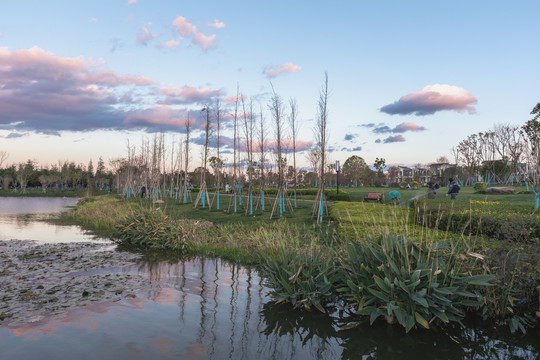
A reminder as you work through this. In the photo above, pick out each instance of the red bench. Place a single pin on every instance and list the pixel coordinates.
(374, 196)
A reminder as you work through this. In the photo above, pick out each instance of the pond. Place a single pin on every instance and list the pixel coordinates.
(197, 308)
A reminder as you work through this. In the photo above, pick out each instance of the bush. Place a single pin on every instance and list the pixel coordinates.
(331, 194)
(480, 187)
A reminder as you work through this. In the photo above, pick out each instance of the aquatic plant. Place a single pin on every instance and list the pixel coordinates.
(411, 282)
(304, 280)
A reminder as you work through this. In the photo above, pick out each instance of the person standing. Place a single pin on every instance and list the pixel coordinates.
(431, 191)
(453, 189)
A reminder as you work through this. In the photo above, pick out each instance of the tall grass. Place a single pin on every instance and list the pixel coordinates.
(101, 213)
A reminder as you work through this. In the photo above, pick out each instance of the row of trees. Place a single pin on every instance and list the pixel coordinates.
(64, 174)
(508, 153)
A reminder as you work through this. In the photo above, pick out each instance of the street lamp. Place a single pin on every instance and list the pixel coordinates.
(337, 176)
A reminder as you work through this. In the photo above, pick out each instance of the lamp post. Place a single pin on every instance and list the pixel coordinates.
(337, 176)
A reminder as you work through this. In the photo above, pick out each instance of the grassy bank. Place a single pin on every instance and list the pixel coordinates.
(318, 267)
(237, 237)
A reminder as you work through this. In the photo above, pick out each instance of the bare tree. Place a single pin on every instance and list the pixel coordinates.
(276, 109)
(186, 162)
(293, 125)
(203, 191)
(510, 146)
(262, 159)
(249, 124)
(218, 141)
(468, 154)
(3, 157)
(321, 139)
(442, 160)
(235, 146)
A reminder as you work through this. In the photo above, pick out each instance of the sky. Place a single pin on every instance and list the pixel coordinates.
(408, 80)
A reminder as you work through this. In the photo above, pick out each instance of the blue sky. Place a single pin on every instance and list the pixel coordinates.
(408, 80)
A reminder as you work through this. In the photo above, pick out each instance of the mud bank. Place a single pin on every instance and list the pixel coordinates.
(39, 280)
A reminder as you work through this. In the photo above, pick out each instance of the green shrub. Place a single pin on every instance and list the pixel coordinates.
(480, 187)
(408, 282)
(331, 194)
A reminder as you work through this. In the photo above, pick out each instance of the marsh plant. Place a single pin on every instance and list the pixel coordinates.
(411, 283)
(152, 228)
(304, 280)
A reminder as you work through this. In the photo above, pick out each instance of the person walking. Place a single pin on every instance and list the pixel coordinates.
(453, 189)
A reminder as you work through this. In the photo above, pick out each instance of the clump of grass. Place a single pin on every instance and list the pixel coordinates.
(357, 220)
(254, 243)
(153, 229)
(101, 213)
(304, 280)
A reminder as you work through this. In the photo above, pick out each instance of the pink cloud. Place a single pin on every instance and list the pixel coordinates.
(144, 36)
(408, 126)
(233, 98)
(204, 41)
(172, 43)
(286, 145)
(46, 93)
(285, 68)
(185, 28)
(131, 2)
(188, 95)
(217, 24)
(111, 79)
(162, 117)
(431, 99)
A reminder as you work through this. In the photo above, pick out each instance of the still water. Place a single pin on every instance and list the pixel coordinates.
(202, 308)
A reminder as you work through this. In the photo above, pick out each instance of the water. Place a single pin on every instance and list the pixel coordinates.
(204, 308)
(25, 219)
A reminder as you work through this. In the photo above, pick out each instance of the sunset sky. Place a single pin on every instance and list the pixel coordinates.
(408, 79)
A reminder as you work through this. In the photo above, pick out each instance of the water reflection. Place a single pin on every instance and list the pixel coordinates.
(208, 309)
(202, 308)
(26, 219)
(33, 205)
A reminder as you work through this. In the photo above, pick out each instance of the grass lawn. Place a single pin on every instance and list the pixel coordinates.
(519, 201)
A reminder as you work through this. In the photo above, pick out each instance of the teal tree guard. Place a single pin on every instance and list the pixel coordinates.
(536, 197)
